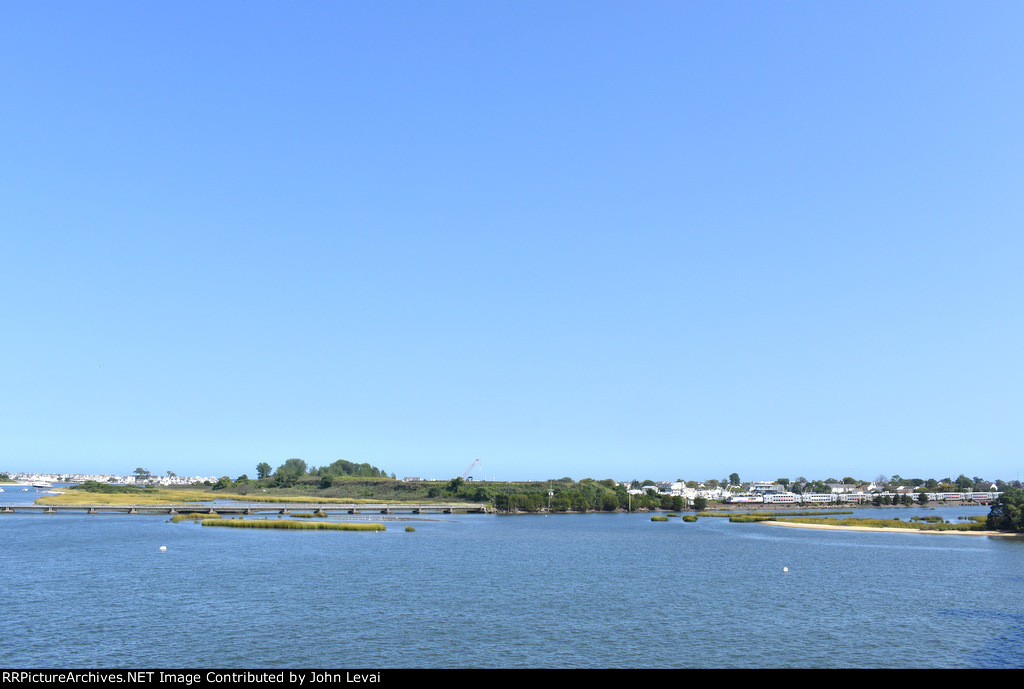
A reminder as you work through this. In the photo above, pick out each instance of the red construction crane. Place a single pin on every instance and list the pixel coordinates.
(466, 473)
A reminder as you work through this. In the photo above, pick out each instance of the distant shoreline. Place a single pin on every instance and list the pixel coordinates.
(802, 525)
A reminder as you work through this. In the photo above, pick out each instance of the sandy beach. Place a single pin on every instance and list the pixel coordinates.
(895, 530)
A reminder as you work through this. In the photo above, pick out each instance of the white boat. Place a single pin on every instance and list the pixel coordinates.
(42, 484)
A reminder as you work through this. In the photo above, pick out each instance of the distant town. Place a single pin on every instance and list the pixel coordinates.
(170, 479)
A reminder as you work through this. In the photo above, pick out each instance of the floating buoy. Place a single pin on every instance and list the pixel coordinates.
(785, 569)
(163, 547)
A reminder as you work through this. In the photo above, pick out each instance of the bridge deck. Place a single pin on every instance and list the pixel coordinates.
(249, 508)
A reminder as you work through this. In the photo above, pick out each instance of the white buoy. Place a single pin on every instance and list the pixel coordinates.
(163, 547)
(785, 569)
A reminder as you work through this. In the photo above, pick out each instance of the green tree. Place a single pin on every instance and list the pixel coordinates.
(222, 482)
(700, 503)
(734, 479)
(289, 472)
(922, 497)
(964, 484)
(1007, 513)
(263, 470)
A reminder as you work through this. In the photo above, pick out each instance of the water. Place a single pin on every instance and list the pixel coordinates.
(482, 591)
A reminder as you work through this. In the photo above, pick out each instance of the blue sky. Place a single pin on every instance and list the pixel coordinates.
(589, 239)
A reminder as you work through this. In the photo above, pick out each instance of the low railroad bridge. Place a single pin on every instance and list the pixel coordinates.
(250, 508)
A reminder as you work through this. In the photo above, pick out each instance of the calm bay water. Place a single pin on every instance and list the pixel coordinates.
(482, 591)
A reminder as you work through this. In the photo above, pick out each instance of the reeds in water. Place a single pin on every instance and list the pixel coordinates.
(192, 516)
(288, 524)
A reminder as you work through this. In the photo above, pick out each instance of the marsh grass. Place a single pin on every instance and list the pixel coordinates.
(288, 524)
(309, 515)
(801, 513)
(192, 516)
(159, 497)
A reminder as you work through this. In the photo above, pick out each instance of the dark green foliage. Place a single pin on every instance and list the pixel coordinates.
(289, 472)
(343, 467)
(96, 487)
(964, 484)
(586, 496)
(1007, 513)
(294, 472)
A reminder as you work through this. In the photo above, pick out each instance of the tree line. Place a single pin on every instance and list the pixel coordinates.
(294, 471)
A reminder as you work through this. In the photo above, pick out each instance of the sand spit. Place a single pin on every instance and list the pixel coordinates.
(892, 530)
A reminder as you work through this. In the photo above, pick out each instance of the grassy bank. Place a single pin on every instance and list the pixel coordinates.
(155, 497)
(762, 516)
(288, 524)
(884, 524)
(193, 516)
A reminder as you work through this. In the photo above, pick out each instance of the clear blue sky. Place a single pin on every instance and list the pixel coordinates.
(589, 239)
